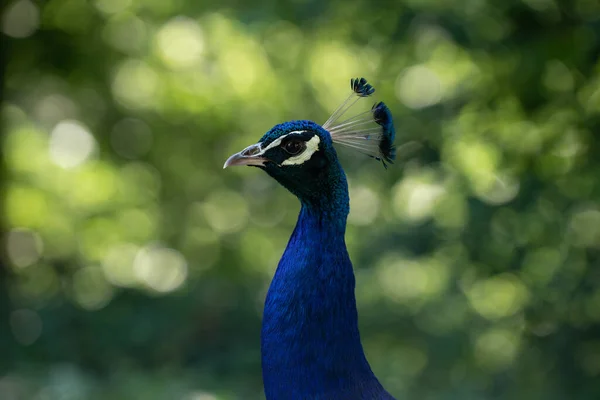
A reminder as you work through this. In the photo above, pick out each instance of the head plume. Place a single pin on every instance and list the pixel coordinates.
(371, 132)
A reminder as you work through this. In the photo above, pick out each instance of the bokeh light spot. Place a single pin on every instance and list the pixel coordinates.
(71, 144)
(241, 68)
(113, 6)
(477, 160)
(364, 205)
(499, 296)
(451, 211)
(26, 150)
(331, 59)
(90, 288)
(138, 225)
(180, 43)
(501, 190)
(58, 233)
(55, 107)
(21, 19)
(159, 268)
(25, 206)
(540, 265)
(226, 211)
(135, 84)
(93, 186)
(258, 247)
(496, 348)
(23, 247)
(126, 32)
(97, 236)
(418, 87)
(584, 228)
(198, 395)
(118, 265)
(409, 281)
(416, 196)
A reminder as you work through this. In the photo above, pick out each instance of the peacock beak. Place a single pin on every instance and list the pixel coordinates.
(251, 155)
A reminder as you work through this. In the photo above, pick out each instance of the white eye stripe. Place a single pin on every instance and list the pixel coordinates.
(277, 142)
(312, 146)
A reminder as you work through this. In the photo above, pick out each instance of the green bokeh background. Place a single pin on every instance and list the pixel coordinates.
(134, 267)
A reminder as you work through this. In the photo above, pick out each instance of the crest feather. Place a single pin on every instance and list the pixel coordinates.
(371, 132)
(361, 87)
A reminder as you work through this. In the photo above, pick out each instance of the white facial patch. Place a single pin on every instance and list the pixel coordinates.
(277, 142)
(311, 147)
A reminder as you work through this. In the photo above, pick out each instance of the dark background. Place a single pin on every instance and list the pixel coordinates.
(134, 267)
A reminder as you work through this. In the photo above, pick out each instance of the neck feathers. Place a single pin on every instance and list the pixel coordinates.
(310, 341)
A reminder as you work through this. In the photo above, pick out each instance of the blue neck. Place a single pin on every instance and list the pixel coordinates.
(310, 341)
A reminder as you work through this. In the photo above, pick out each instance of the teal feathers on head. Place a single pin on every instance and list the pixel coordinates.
(371, 132)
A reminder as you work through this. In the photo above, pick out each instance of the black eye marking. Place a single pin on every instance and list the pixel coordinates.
(294, 146)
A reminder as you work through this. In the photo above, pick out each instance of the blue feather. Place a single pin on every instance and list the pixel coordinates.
(383, 117)
(361, 87)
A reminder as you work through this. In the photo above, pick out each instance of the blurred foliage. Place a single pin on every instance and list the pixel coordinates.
(134, 267)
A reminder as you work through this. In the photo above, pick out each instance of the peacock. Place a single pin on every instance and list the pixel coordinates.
(310, 342)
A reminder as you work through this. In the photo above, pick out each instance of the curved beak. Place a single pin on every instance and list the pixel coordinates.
(251, 155)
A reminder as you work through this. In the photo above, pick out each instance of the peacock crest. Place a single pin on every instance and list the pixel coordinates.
(371, 132)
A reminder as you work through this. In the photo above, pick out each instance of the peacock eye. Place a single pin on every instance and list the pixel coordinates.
(294, 147)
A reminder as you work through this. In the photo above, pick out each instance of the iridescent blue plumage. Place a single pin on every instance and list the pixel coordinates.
(310, 342)
(383, 117)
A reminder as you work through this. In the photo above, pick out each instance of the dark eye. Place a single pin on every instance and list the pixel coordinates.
(294, 147)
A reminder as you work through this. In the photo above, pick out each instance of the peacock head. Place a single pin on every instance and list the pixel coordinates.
(300, 154)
